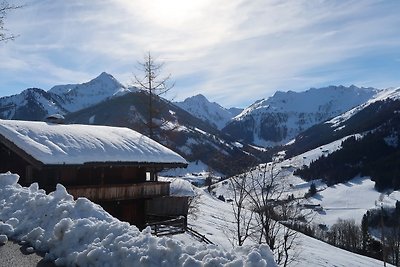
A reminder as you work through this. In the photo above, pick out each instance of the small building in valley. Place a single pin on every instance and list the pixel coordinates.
(112, 166)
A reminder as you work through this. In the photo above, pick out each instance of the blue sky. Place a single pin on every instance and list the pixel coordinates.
(232, 51)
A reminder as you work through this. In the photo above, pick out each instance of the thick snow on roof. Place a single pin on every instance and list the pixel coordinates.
(81, 233)
(78, 144)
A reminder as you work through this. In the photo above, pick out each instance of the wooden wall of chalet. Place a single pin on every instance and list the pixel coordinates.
(167, 206)
(132, 211)
(49, 176)
(9, 161)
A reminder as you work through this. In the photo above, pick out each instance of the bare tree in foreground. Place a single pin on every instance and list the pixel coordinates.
(243, 216)
(262, 189)
(154, 85)
(5, 7)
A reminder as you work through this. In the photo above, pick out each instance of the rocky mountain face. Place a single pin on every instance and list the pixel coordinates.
(210, 112)
(278, 119)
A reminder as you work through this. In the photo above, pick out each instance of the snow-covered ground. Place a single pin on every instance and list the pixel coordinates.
(346, 201)
(196, 173)
(215, 219)
(350, 200)
(81, 233)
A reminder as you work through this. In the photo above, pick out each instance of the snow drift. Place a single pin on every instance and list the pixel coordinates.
(80, 233)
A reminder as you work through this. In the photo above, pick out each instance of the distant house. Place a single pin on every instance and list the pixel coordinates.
(112, 166)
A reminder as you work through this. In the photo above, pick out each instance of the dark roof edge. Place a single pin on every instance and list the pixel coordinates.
(124, 163)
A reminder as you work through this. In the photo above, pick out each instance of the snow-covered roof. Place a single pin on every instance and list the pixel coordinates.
(78, 144)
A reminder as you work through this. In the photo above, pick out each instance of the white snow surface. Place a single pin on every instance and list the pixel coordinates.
(81, 233)
(179, 187)
(78, 144)
(196, 173)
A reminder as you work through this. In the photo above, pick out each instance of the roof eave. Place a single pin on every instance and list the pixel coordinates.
(20, 152)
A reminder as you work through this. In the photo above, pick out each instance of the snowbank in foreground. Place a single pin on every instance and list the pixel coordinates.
(81, 233)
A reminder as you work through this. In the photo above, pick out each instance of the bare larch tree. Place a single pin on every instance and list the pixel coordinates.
(154, 85)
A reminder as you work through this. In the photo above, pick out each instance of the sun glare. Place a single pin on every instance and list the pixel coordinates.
(171, 12)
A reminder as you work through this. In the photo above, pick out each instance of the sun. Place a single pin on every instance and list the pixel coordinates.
(171, 12)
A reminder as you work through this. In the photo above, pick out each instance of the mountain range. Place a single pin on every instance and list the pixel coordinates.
(280, 118)
(225, 139)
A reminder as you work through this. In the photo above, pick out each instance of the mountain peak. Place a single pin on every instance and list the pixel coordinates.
(105, 76)
(197, 98)
(211, 112)
(78, 96)
(106, 79)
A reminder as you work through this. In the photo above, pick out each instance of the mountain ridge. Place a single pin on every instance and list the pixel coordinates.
(278, 119)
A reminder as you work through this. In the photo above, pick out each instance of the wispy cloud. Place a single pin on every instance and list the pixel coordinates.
(234, 52)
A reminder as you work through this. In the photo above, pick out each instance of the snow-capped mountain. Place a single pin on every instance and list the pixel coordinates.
(36, 104)
(278, 119)
(78, 96)
(380, 114)
(211, 112)
(30, 104)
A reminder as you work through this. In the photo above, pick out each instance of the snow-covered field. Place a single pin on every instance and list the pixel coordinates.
(350, 200)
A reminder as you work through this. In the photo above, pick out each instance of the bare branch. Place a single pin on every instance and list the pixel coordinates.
(5, 7)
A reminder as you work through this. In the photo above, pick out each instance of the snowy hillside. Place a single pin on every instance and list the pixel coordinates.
(391, 93)
(280, 118)
(346, 201)
(211, 112)
(379, 116)
(79, 96)
(215, 220)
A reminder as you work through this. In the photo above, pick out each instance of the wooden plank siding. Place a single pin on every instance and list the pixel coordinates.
(120, 191)
(168, 206)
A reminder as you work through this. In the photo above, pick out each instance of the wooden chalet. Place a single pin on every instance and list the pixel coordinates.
(112, 166)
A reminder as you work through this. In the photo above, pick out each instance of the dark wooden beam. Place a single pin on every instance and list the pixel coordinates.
(20, 152)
